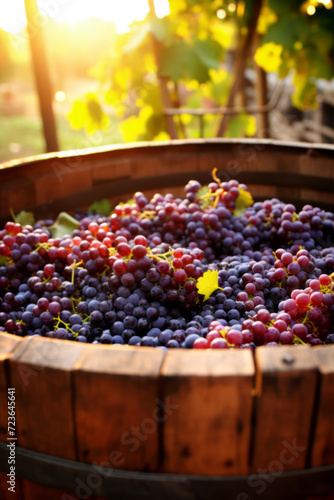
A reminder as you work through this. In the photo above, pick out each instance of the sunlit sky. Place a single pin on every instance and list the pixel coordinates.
(121, 12)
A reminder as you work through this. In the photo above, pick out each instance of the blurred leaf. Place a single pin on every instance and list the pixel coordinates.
(25, 218)
(204, 200)
(287, 30)
(243, 201)
(240, 125)
(88, 114)
(162, 136)
(130, 129)
(224, 33)
(4, 261)
(138, 34)
(159, 28)
(175, 59)
(268, 56)
(267, 17)
(209, 52)
(305, 95)
(177, 6)
(219, 86)
(102, 207)
(182, 60)
(63, 225)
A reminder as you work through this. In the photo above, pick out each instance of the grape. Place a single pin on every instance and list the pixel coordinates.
(302, 300)
(234, 337)
(201, 343)
(300, 330)
(189, 342)
(136, 276)
(219, 344)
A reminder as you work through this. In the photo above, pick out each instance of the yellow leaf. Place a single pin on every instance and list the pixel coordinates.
(244, 201)
(268, 56)
(208, 284)
(266, 18)
(162, 136)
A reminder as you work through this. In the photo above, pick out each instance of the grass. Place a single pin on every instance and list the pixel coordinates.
(22, 134)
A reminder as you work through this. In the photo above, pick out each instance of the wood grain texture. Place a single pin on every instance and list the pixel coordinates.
(34, 491)
(285, 387)
(323, 444)
(41, 372)
(116, 401)
(49, 183)
(8, 344)
(208, 411)
(40, 369)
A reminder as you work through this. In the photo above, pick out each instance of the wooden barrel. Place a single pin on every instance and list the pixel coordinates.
(47, 184)
(104, 421)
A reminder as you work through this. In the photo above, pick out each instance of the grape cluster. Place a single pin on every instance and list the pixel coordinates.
(132, 278)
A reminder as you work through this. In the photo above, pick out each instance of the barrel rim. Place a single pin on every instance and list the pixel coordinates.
(307, 146)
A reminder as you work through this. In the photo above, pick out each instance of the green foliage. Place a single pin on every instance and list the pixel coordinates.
(88, 114)
(64, 225)
(25, 218)
(187, 50)
(306, 46)
(102, 207)
(187, 46)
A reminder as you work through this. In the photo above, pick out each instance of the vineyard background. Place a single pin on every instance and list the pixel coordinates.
(207, 69)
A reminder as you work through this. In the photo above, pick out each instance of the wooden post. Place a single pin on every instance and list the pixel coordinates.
(261, 96)
(41, 72)
(263, 128)
(166, 101)
(241, 65)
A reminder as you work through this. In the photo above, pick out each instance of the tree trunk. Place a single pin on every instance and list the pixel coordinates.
(241, 64)
(41, 73)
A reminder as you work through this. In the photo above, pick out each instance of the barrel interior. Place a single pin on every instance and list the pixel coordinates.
(120, 422)
(296, 173)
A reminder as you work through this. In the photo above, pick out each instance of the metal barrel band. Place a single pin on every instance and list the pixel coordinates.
(88, 480)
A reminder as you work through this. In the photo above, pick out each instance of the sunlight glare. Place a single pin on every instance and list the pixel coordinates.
(311, 10)
(60, 96)
(12, 16)
(128, 11)
(67, 10)
(221, 13)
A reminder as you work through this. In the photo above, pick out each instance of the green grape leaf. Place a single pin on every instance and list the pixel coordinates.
(204, 200)
(88, 114)
(219, 86)
(240, 125)
(174, 59)
(305, 95)
(243, 201)
(102, 207)
(63, 225)
(182, 60)
(25, 218)
(4, 261)
(209, 52)
(159, 28)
